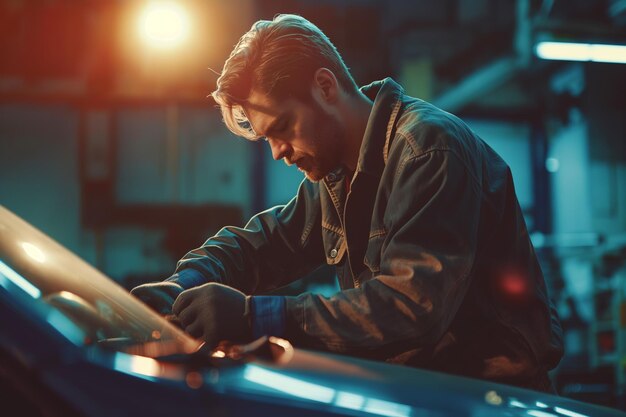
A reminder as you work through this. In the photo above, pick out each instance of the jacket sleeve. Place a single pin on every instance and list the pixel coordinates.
(276, 247)
(432, 220)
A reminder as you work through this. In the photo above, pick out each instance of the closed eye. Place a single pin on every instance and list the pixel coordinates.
(282, 126)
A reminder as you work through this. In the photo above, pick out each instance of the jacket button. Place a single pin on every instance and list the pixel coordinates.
(333, 253)
(332, 178)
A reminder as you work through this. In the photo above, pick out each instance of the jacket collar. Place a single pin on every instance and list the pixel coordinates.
(387, 97)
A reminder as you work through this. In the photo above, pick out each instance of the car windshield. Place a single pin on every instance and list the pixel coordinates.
(83, 304)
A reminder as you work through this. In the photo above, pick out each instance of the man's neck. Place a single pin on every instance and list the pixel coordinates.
(356, 113)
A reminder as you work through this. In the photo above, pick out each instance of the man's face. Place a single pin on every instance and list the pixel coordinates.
(306, 134)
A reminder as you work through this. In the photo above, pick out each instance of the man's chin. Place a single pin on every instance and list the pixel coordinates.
(313, 176)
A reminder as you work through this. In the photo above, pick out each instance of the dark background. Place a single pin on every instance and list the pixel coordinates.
(112, 147)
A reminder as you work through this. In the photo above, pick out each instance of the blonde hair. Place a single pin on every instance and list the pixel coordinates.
(278, 57)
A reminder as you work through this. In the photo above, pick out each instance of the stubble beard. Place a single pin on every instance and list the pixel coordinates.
(330, 133)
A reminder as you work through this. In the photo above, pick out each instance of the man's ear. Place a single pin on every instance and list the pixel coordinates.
(325, 82)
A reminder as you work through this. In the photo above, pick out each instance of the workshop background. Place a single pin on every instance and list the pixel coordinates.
(109, 143)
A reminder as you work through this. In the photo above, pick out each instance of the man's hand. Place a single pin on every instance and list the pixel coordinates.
(214, 312)
(159, 296)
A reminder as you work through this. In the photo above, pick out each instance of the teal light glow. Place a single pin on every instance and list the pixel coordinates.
(9, 274)
(552, 165)
(289, 385)
(315, 392)
(386, 408)
(66, 327)
(515, 403)
(348, 400)
(568, 413)
(571, 51)
(537, 413)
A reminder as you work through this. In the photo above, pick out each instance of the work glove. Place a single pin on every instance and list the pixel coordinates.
(214, 312)
(159, 296)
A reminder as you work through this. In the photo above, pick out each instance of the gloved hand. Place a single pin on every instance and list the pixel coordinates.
(159, 296)
(214, 312)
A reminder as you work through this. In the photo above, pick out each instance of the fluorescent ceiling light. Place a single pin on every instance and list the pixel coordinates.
(568, 51)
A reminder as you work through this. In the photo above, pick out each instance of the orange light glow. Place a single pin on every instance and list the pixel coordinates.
(194, 380)
(164, 24)
(218, 354)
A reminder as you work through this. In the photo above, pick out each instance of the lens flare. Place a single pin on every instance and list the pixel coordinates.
(164, 24)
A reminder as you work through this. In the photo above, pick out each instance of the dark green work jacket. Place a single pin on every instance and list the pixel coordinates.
(432, 253)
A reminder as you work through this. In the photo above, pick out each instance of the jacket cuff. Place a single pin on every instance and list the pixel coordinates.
(268, 315)
(188, 278)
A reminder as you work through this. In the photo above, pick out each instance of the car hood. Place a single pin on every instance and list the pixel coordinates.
(48, 281)
(350, 385)
(39, 276)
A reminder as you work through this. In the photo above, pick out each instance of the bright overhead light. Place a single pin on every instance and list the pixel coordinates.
(569, 51)
(164, 24)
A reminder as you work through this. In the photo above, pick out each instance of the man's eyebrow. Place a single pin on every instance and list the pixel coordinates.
(275, 123)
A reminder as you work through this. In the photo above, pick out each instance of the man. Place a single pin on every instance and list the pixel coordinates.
(418, 215)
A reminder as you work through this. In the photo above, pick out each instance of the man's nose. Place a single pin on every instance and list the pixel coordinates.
(279, 149)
